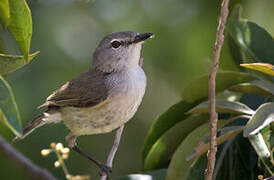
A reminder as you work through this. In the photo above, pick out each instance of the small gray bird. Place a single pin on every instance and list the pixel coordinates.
(105, 97)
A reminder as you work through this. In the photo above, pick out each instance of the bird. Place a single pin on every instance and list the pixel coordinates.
(102, 99)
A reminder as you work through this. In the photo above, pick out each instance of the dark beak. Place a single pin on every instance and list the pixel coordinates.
(142, 37)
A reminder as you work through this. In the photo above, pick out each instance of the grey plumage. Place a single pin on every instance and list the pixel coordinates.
(105, 97)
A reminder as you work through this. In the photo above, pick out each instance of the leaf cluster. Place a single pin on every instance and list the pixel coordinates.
(15, 15)
(179, 138)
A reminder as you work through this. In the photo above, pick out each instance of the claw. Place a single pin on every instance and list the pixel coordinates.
(106, 170)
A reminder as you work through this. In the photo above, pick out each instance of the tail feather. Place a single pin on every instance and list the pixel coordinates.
(36, 123)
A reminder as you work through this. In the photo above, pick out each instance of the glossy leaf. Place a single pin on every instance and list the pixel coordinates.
(4, 12)
(198, 88)
(221, 153)
(197, 169)
(10, 63)
(173, 115)
(236, 12)
(179, 167)
(262, 67)
(21, 25)
(223, 106)
(235, 51)
(222, 135)
(154, 175)
(252, 39)
(163, 149)
(263, 116)
(255, 87)
(9, 109)
(259, 145)
(199, 165)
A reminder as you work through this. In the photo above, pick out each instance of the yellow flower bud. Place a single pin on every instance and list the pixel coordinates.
(65, 156)
(68, 176)
(59, 147)
(45, 152)
(65, 150)
(52, 145)
(57, 164)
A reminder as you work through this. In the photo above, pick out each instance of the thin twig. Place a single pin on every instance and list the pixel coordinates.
(63, 165)
(212, 86)
(113, 150)
(35, 171)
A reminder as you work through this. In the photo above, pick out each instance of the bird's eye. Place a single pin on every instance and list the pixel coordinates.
(115, 44)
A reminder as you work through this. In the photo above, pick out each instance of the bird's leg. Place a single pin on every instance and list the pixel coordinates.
(71, 140)
(113, 149)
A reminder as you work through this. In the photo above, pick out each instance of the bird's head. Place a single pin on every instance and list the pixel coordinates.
(119, 51)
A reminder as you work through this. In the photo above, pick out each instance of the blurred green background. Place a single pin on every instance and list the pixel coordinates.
(67, 32)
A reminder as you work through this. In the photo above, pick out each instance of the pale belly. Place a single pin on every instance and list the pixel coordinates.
(120, 107)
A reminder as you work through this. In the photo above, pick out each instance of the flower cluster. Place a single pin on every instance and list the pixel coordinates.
(62, 154)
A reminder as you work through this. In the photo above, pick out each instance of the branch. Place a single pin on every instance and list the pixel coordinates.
(212, 85)
(35, 171)
(113, 150)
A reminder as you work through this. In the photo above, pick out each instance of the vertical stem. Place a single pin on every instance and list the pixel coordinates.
(60, 159)
(212, 86)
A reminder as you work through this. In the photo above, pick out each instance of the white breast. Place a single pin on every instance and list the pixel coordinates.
(126, 90)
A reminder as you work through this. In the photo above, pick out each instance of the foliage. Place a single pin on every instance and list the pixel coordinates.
(178, 143)
(9, 111)
(16, 15)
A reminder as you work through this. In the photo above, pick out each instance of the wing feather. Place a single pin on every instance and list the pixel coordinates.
(86, 90)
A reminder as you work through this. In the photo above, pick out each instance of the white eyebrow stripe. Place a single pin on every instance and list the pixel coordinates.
(115, 40)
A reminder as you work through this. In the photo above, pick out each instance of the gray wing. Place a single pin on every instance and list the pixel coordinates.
(86, 90)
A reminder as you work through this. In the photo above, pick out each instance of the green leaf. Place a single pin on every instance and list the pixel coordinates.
(271, 136)
(255, 87)
(263, 116)
(154, 175)
(173, 115)
(236, 12)
(163, 149)
(198, 88)
(8, 108)
(10, 63)
(21, 25)
(259, 145)
(221, 153)
(222, 135)
(4, 12)
(262, 67)
(179, 167)
(197, 169)
(252, 39)
(223, 106)
(235, 51)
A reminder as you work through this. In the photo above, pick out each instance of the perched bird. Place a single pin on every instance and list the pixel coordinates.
(105, 97)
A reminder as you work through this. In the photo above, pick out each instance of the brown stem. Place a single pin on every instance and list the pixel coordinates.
(35, 171)
(113, 150)
(212, 86)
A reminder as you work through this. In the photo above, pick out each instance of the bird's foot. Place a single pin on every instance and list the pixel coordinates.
(106, 170)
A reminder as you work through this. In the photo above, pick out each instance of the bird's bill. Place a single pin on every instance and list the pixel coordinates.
(142, 37)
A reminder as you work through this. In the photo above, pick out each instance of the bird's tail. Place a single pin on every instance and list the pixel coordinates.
(36, 123)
